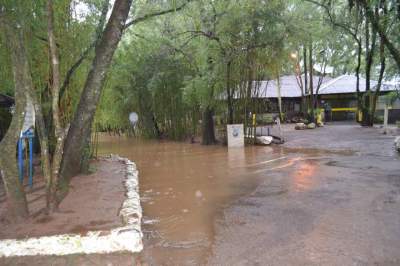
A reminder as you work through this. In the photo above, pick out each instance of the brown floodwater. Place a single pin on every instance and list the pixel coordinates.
(184, 188)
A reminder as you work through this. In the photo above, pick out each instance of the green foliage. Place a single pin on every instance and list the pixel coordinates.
(6, 80)
(378, 119)
(170, 68)
(392, 96)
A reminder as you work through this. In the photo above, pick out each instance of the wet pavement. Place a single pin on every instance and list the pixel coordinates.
(327, 208)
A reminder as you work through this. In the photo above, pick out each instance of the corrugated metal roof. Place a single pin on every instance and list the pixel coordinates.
(289, 87)
(348, 84)
(390, 86)
(345, 84)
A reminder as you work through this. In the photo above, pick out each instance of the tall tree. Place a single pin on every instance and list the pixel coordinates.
(370, 43)
(79, 134)
(373, 17)
(311, 89)
(13, 33)
(55, 90)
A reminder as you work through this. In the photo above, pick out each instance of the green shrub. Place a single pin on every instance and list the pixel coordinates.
(378, 119)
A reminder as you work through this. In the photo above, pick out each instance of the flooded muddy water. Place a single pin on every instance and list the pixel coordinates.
(185, 186)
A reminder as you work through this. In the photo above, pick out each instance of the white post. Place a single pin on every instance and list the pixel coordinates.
(385, 118)
(278, 121)
(279, 98)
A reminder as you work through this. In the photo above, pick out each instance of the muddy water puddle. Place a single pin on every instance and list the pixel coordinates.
(184, 187)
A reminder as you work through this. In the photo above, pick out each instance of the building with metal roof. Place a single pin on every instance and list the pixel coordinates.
(348, 84)
(338, 94)
(289, 86)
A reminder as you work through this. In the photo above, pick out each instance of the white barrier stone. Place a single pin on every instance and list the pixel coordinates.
(125, 238)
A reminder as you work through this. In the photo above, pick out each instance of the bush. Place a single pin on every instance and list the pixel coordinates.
(378, 119)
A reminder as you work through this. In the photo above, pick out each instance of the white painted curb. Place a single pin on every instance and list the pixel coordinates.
(126, 238)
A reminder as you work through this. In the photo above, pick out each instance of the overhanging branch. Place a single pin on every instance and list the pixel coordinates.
(155, 14)
(347, 28)
(86, 52)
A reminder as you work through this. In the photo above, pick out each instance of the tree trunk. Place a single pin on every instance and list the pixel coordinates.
(311, 90)
(369, 54)
(208, 127)
(83, 118)
(85, 54)
(305, 98)
(16, 199)
(44, 148)
(147, 119)
(395, 52)
(248, 94)
(299, 80)
(380, 79)
(320, 80)
(358, 94)
(229, 91)
(55, 90)
(157, 130)
(278, 82)
(382, 64)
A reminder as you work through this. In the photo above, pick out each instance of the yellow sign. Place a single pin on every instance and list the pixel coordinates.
(345, 109)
